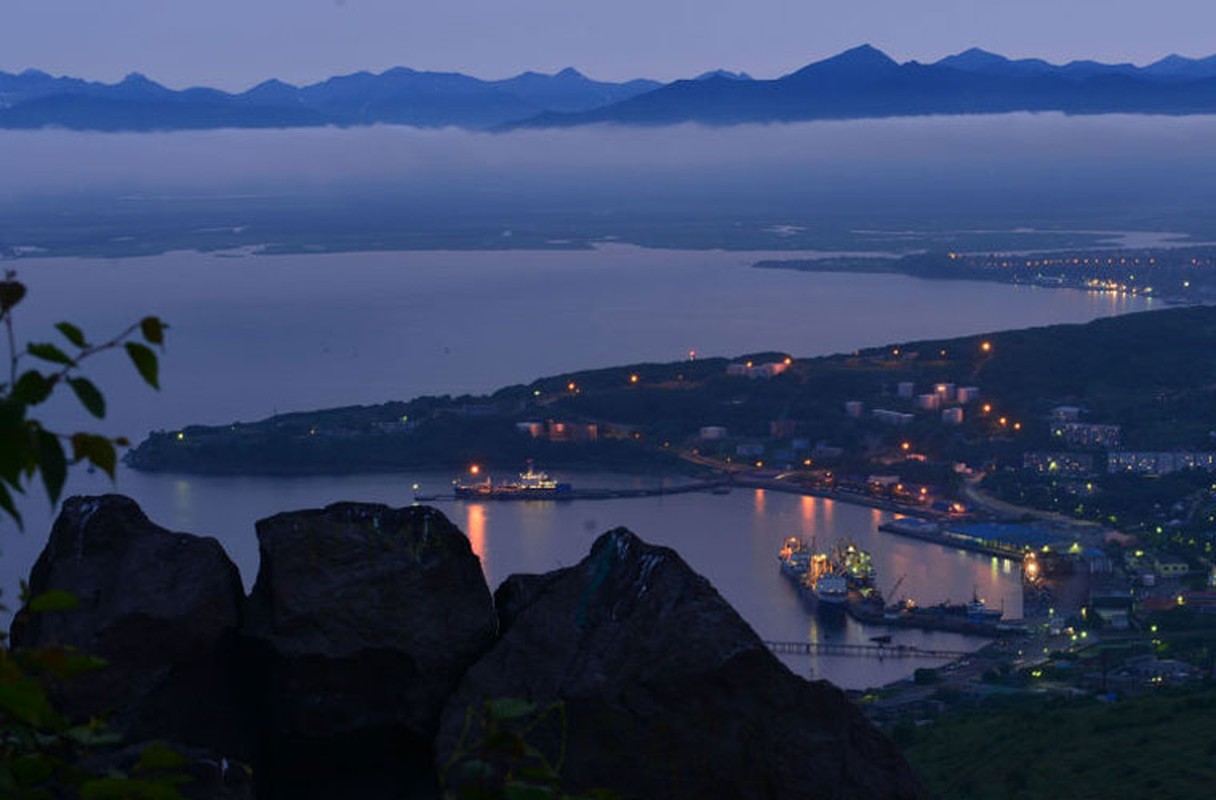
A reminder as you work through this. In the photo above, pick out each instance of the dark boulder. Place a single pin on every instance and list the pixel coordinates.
(665, 691)
(362, 621)
(161, 608)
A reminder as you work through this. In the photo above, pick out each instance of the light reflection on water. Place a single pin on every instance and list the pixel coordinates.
(732, 539)
(245, 342)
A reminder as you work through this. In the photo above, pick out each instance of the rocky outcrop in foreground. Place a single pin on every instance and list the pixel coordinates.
(370, 641)
(667, 692)
(361, 622)
(163, 610)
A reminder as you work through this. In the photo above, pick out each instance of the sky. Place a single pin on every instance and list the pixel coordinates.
(234, 44)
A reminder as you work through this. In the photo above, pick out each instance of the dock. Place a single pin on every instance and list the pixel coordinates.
(933, 534)
(862, 650)
(586, 494)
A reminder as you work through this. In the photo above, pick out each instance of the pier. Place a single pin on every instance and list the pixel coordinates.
(862, 650)
(586, 494)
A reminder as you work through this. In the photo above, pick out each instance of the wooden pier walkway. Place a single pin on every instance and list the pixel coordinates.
(862, 650)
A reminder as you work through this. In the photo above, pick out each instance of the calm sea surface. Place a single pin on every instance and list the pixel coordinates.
(252, 335)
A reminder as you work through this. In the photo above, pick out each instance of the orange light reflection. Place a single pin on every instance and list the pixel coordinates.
(475, 524)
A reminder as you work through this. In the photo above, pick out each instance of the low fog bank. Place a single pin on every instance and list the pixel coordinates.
(1024, 167)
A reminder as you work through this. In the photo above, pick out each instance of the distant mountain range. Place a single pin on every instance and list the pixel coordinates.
(861, 82)
(400, 96)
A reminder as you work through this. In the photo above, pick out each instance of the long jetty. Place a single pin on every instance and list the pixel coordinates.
(587, 494)
(869, 650)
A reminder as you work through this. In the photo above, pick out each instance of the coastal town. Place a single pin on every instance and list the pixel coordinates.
(1099, 485)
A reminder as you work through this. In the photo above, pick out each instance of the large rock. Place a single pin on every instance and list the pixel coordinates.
(161, 608)
(364, 618)
(666, 691)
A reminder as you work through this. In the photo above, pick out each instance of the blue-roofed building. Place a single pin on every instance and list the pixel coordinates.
(1009, 536)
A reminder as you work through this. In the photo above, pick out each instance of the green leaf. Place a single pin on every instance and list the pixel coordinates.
(89, 737)
(23, 699)
(51, 463)
(518, 790)
(159, 757)
(72, 334)
(15, 453)
(6, 503)
(11, 293)
(145, 361)
(98, 450)
(538, 773)
(32, 769)
(48, 352)
(54, 600)
(32, 387)
(113, 787)
(153, 329)
(89, 396)
(502, 708)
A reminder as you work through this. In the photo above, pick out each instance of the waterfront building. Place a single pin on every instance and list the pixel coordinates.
(854, 409)
(1010, 536)
(712, 433)
(1065, 414)
(532, 428)
(891, 417)
(753, 371)
(1064, 464)
(573, 431)
(967, 394)
(782, 428)
(1086, 434)
(1166, 565)
(952, 416)
(1159, 463)
(928, 402)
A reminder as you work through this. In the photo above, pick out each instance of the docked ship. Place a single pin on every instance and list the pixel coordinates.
(855, 564)
(529, 485)
(830, 589)
(973, 616)
(819, 578)
(794, 557)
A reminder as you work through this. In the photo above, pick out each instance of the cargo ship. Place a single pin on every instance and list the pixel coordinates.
(529, 485)
(843, 581)
(819, 579)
